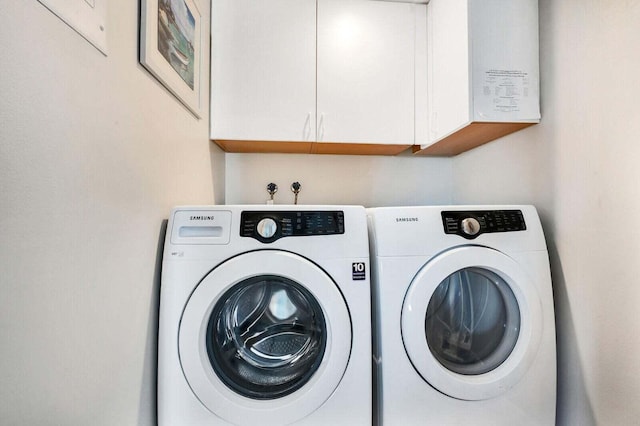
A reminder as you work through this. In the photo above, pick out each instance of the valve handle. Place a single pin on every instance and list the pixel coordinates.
(296, 188)
(272, 188)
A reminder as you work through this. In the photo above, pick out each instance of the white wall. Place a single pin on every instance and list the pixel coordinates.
(580, 168)
(94, 152)
(333, 179)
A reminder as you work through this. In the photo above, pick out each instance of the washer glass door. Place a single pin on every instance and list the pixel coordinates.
(266, 337)
(471, 322)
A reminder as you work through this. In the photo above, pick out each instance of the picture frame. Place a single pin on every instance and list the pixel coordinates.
(171, 48)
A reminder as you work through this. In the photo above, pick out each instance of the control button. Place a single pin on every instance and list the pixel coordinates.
(470, 226)
(267, 228)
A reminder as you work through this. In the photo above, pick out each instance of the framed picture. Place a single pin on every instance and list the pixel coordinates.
(171, 47)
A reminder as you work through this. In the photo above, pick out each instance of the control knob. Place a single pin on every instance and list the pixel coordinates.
(267, 228)
(470, 226)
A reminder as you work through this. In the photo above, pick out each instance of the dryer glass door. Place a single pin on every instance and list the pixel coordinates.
(266, 337)
(471, 322)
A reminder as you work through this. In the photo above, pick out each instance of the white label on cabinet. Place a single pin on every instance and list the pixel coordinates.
(504, 90)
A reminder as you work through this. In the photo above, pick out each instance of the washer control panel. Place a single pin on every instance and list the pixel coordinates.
(471, 224)
(269, 226)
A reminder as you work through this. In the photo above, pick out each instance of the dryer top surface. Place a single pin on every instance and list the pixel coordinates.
(427, 230)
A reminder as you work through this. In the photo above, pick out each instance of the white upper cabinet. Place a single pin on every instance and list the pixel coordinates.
(366, 66)
(325, 76)
(263, 70)
(371, 77)
(483, 71)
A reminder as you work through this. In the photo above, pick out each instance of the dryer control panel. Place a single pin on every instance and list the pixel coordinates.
(269, 226)
(471, 224)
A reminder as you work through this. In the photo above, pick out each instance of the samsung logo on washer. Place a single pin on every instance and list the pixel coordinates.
(406, 219)
(202, 218)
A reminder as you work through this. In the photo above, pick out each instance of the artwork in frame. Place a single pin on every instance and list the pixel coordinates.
(171, 47)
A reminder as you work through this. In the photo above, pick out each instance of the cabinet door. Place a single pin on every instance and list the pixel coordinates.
(505, 79)
(365, 71)
(449, 67)
(263, 70)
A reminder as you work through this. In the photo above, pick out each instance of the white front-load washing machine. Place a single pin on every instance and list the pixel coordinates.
(265, 317)
(464, 319)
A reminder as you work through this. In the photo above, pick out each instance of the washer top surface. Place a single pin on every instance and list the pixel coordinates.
(217, 232)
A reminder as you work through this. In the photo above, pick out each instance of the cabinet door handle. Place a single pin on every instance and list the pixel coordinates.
(306, 131)
(321, 128)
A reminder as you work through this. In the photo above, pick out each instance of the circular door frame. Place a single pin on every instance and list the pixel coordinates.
(212, 392)
(414, 310)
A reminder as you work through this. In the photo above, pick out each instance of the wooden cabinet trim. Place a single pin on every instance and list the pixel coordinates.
(264, 146)
(469, 137)
(338, 148)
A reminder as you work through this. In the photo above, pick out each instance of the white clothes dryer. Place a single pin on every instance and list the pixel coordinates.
(464, 325)
(265, 317)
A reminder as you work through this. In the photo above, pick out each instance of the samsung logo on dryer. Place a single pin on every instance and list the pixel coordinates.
(407, 219)
(202, 218)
